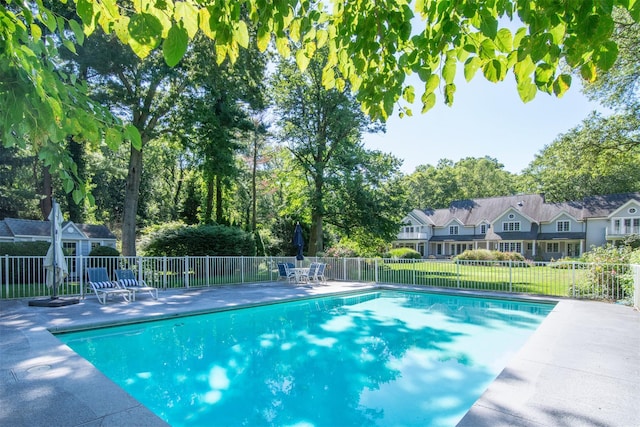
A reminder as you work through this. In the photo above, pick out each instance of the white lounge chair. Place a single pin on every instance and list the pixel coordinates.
(127, 280)
(102, 286)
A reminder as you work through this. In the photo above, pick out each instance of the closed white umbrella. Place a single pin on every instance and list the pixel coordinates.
(54, 262)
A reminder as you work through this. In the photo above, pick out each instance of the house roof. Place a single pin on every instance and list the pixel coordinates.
(12, 227)
(603, 206)
(473, 212)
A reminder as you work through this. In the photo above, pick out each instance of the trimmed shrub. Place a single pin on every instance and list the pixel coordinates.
(104, 251)
(24, 272)
(200, 240)
(403, 253)
(487, 255)
(339, 251)
(24, 248)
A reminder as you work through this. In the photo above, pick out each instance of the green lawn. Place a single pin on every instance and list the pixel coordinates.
(534, 279)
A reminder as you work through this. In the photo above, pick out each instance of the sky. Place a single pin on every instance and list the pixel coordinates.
(486, 119)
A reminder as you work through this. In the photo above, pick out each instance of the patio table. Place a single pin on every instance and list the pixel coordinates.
(301, 273)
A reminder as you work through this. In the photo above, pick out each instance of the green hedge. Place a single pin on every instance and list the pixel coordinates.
(201, 240)
(24, 248)
(403, 253)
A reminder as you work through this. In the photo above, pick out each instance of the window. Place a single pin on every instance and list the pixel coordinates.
(510, 247)
(632, 210)
(483, 228)
(511, 226)
(553, 247)
(439, 249)
(511, 216)
(562, 226)
(453, 229)
(529, 246)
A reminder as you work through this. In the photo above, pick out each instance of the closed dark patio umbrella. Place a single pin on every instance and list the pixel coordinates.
(298, 242)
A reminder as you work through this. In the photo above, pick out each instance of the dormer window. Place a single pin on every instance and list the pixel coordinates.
(453, 229)
(563, 226)
(483, 228)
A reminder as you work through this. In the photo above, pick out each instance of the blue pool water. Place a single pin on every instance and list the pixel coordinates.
(377, 359)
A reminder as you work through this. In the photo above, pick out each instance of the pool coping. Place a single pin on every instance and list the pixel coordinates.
(580, 367)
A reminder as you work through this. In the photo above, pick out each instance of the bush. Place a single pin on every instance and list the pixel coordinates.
(200, 240)
(340, 251)
(403, 253)
(104, 251)
(487, 255)
(22, 272)
(609, 274)
(24, 248)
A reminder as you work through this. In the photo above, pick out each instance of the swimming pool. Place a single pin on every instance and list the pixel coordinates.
(379, 358)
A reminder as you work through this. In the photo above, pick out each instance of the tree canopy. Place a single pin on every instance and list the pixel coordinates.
(372, 47)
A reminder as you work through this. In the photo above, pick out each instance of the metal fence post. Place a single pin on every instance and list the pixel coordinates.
(573, 279)
(242, 269)
(510, 275)
(6, 274)
(207, 270)
(457, 272)
(186, 272)
(375, 264)
(164, 270)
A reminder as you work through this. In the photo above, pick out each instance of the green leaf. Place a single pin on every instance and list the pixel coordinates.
(77, 31)
(432, 83)
(264, 37)
(471, 66)
(561, 85)
(241, 34)
(588, 72)
(175, 45)
(68, 184)
(487, 50)
(121, 28)
(449, 90)
(504, 40)
(607, 55)
(84, 9)
(523, 68)
(36, 32)
(489, 26)
(188, 14)
(428, 101)
(112, 138)
(449, 70)
(302, 60)
(133, 135)
(321, 38)
(493, 71)
(49, 20)
(328, 78)
(145, 31)
(282, 45)
(544, 74)
(78, 195)
(408, 94)
(527, 90)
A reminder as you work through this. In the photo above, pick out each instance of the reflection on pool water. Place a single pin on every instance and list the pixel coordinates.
(382, 358)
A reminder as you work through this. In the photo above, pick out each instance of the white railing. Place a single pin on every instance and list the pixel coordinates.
(24, 277)
(623, 230)
(413, 236)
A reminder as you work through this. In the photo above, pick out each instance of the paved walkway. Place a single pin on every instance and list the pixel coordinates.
(580, 368)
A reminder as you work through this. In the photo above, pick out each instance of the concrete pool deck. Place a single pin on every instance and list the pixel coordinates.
(581, 367)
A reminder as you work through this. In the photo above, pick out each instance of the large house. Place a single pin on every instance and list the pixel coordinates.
(77, 239)
(522, 223)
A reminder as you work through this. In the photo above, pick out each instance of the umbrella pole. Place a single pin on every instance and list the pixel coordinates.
(54, 294)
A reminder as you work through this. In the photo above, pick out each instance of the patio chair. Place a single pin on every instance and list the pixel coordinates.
(319, 277)
(102, 286)
(310, 274)
(285, 273)
(127, 280)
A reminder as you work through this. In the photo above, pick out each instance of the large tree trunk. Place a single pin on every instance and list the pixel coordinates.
(208, 213)
(131, 198)
(219, 211)
(316, 243)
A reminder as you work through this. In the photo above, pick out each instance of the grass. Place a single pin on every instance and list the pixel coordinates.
(531, 279)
